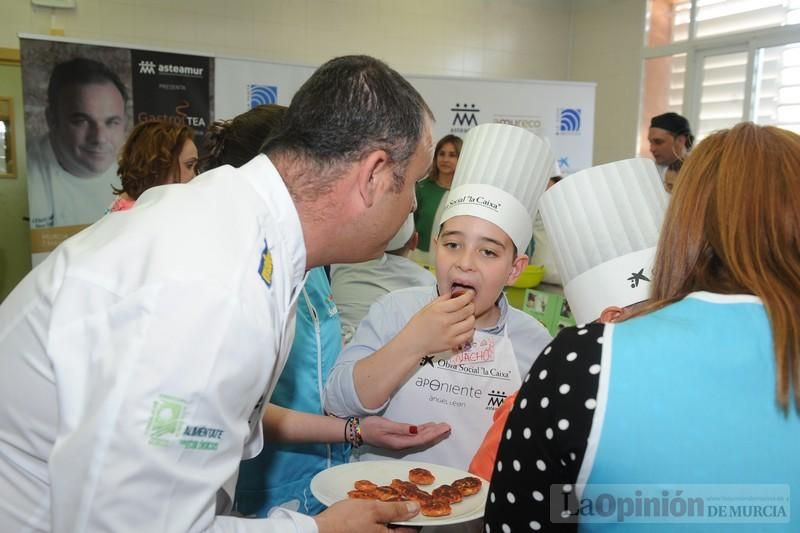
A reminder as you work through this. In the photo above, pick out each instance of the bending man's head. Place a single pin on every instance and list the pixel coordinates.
(350, 106)
(350, 148)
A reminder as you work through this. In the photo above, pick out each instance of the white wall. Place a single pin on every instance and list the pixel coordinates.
(526, 39)
(607, 44)
(581, 40)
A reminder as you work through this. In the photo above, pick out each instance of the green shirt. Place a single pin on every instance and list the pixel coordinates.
(429, 195)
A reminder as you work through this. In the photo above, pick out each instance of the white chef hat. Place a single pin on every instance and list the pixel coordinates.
(402, 236)
(501, 173)
(603, 224)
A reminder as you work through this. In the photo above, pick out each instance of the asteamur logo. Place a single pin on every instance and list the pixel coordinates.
(153, 68)
(464, 118)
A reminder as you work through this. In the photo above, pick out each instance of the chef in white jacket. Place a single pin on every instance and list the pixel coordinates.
(136, 360)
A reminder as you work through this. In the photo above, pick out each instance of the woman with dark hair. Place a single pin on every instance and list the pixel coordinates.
(432, 189)
(156, 153)
(238, 140)
(700, 387)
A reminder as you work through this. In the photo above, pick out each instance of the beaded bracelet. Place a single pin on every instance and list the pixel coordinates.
(352, 432)
(359, 440)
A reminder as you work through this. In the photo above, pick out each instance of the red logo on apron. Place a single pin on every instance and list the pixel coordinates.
(479, 352)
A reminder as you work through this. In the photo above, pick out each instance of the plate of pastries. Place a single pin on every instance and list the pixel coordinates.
(445, 495)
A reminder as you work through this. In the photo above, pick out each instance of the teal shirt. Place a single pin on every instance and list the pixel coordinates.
(429, 196)
(281, 474)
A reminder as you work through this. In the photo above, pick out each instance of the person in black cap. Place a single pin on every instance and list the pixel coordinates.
(670, 139)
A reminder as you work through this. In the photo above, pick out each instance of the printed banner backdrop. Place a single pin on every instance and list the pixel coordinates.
(172, 87)
(561, 112)
(240, 85)
(80, 101)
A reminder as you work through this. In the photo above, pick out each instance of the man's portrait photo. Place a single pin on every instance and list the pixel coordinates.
(82, 118)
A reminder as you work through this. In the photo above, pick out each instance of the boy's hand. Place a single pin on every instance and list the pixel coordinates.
(444, 324)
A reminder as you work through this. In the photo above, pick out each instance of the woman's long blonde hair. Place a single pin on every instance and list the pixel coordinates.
(733, 226)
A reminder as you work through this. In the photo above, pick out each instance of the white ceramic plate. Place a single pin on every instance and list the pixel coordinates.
(332, 485)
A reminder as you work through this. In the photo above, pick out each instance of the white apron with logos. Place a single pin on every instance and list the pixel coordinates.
(462, 389)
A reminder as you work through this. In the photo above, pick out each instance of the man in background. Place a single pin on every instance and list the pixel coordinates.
(670, 139)
(72, 168)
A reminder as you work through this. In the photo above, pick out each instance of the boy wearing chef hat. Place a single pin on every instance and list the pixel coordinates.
(455, 351)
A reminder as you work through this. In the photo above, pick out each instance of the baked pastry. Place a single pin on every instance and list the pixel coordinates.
(449, 493)
(386, 494)
(398, 483)
(435, 507)
(365, 485)
(361, 495)
(468, 486)
(421, 476)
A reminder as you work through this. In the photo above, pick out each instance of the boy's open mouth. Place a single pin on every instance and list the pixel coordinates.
(457, 289)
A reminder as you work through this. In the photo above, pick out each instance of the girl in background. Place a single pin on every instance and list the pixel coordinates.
(156, 153)
(431, 190)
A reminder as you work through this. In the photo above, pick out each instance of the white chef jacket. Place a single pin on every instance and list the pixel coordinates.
(136, 360)
(389, 315)
(57, 198)
(357, 286)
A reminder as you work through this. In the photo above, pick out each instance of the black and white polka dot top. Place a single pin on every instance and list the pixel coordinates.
(546, 434)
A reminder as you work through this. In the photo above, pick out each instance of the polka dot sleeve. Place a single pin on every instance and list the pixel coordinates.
(545, 438)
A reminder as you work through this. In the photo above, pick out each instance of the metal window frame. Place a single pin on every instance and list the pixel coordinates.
(696, 49)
